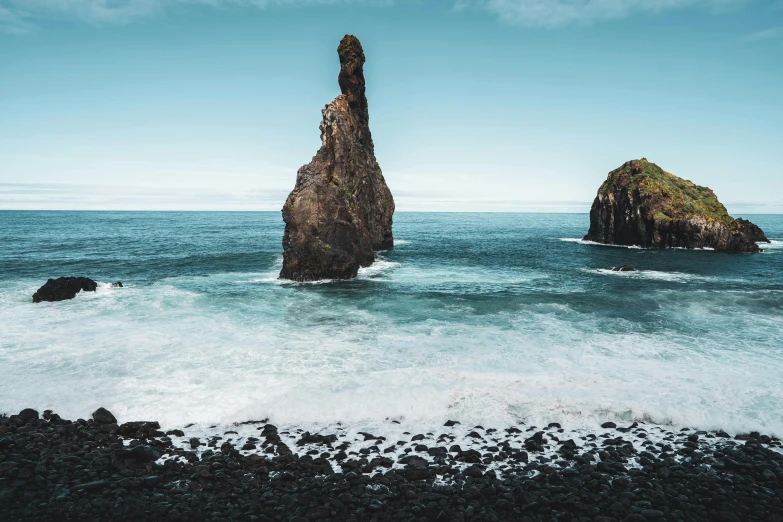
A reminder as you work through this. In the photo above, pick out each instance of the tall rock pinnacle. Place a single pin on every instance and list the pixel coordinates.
(340, 211)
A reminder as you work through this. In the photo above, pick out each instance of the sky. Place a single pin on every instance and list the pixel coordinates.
(475, 105)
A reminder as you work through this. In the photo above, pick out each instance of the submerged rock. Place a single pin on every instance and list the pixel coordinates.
(118, 284)
(340, 211)
(624, 268)
(64, 288)
(641, 204)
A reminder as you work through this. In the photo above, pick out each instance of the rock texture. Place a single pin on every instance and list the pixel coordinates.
(103, 416)
(55, 470)
(641, 204)
(63, 288)
(340, 211)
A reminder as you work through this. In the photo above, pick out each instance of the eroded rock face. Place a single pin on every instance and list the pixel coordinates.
(63, 288)
(340, 211)
(641, 204)
(751, 230)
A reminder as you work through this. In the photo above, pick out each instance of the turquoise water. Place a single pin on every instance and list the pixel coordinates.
(486, 318)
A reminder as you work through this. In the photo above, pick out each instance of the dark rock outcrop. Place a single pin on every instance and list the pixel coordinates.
(751, 230)
(103, 416)
(340, 211)
(641, 204)
(118, 284)
(64, 288)
(624, 268)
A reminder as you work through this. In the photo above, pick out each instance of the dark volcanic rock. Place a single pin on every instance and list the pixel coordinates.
(28, 415)
(63, 288)
(103, 416)
(118, 284)
(624, 268)
(340, 211)
(752, 231)
(641, 204)
(56, 470)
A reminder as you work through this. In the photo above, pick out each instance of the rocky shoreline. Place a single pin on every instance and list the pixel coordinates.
(97, 469)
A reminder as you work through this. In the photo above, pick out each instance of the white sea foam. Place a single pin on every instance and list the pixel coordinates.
(289, 282)
(636, 247)
(772, 247)
(450, 278)
(380, 267)
(675, 277)
(310, 359)
(595, 243)
(398, 242)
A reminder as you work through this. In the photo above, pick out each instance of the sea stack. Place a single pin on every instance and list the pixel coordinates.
(340, 210)
(641, 204)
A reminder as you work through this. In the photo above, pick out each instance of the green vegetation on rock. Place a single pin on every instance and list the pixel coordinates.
(668, 197)
(641, 204)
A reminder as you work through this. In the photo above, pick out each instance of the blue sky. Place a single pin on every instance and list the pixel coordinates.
(475, 105)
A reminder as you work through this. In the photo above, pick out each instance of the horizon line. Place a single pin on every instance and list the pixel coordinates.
(270, 211)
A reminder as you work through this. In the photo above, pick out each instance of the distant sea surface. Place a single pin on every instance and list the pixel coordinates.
(492, 319)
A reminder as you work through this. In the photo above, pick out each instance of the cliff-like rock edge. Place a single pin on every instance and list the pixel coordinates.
(340, 211)
(641, 204)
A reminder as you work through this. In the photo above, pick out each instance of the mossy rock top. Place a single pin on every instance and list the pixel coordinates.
(665, 196)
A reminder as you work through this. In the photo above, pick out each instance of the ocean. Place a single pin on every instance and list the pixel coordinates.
(492, 319)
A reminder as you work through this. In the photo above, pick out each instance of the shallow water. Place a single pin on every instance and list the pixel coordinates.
(486, 318)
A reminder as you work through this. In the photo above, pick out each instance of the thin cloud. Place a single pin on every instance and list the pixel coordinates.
(559, 13)
(25, 15)
(64, 196)
(13, 22)
(20, 16)
(766, 34)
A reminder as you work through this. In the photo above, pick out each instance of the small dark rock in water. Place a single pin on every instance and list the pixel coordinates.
(63, 288)
(608, 425)
(450, 423)
(103, 416)
(624, 268)
(118, 284)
